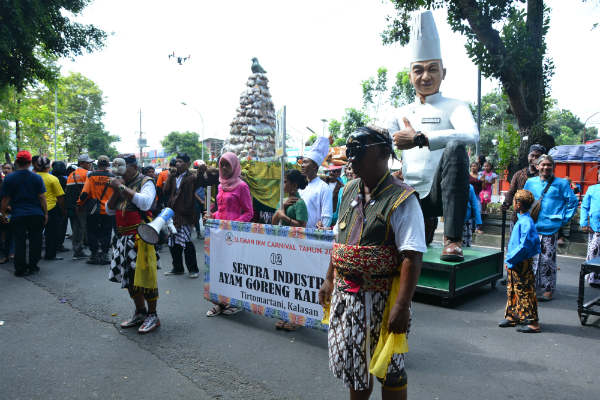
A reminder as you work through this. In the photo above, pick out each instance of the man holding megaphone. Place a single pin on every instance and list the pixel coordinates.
(133, 261)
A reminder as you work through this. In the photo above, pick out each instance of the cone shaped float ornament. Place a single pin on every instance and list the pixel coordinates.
(252, 134)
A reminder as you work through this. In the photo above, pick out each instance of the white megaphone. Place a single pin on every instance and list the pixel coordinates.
(149, 233)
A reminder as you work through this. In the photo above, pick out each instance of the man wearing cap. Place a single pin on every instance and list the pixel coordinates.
(520, 177)
(317, 194)
(77, 215)
(375, 264)
(93, 198)
(179, 190)
(133, 261)
(160, 182)
(55, 204)
(24, 191)
(432, 134)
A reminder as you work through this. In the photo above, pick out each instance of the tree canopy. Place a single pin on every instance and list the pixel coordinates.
(32, 30)
(184, 142)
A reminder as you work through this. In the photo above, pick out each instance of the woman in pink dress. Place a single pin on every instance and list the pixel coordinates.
(488, 178)
(234, 204)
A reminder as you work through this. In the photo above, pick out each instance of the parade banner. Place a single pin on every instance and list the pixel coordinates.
(275, 271)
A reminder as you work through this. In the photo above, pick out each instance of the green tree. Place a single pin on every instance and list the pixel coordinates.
(32, 30)
(351, 120)
(402, 92)
(566, 128)
(184, 142)
(375, 92)
(506, 39)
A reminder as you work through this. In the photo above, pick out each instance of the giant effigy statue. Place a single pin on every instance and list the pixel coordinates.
(252, 134)
(432, 134)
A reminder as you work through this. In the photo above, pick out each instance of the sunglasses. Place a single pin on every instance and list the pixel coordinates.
(355, 150)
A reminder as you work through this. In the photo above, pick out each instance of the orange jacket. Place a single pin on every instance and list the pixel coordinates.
(96, 187)
(75, 183)
(162, 178)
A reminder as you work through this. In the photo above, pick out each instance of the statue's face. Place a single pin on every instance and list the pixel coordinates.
(427, 76)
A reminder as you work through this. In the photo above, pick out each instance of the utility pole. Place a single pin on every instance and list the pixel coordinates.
(140, 141)
(478, 110)
(55, 119)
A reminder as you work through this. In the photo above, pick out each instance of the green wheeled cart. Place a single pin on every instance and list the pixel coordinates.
(449, 280)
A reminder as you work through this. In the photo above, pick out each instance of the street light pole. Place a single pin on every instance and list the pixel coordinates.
(55, 119)
(202, 120)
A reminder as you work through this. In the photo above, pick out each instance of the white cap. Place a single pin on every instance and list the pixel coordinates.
(424, 39)
(319, 150)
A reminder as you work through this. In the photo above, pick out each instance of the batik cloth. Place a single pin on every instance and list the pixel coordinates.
(593, 251)
(364, 267)
(183, 236)
(468, 229)
(351, 343)
(544, 264)
(124, 260)
(521, 304)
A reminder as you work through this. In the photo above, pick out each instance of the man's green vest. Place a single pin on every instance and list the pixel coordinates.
(373, 228)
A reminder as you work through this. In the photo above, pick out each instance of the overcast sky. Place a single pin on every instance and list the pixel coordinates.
(315, 54)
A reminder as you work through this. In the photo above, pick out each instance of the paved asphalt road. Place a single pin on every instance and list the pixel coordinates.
(59, 340)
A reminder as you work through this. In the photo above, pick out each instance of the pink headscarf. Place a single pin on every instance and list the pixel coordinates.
(228, 184)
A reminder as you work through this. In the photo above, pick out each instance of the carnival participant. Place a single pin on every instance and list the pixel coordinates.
(348, 176)
(95, 194)
(379, 245)
(59, 170)
(474, 177)
(77, 216)
(524, 244)
(55, 205)
(488, 178)
(589, 220)
(234, 203)
(160, 182)
(432, 134)
(472, 219)
(179, 190)
(293, 212)
(520, 177)
(7, 245)
(24, 192)
(558, 204)
(317, 194)
(133, 261)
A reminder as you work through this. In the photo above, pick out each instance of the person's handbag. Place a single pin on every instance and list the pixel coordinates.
(534, 211)
(93, 206)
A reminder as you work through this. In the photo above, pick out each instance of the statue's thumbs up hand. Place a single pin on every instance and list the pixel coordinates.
(403, 139)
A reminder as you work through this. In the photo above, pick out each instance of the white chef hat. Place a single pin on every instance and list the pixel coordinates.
(319, 150)
(424, 39)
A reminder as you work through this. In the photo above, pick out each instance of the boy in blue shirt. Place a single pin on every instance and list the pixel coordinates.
(524, 243)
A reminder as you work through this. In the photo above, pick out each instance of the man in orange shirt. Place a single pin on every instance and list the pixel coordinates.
(93, 198)
(77, 216)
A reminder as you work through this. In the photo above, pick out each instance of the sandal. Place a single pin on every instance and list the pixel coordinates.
(229, 310)
(507, 323)
(280, 324)
(289, 327)
(529, 329)
(216, 310)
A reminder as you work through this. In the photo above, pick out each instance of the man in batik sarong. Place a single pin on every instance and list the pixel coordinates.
(374, 269)
(590, 223)
(133, 261)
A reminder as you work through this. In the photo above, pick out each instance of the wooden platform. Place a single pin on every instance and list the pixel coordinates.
(451, 279)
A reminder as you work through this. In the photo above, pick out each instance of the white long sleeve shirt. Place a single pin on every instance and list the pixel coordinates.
(142, 200)
(440, 118)
(317, 196)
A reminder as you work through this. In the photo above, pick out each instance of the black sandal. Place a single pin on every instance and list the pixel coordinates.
(507, 323)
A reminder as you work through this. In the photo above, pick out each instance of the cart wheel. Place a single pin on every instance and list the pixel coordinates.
(493, 283)
(583, 319)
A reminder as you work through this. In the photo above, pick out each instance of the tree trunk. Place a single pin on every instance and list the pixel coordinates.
(17, 125)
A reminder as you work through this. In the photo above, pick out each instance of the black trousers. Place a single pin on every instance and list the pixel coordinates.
(62, 232)
(99, 230)
(449, 193)
(190, 257)
(51, 232)
(23, 228)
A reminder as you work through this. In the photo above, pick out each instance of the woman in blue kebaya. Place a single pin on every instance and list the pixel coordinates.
(590, 223)
(524, 243)
(472, 217)
(557, 208)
